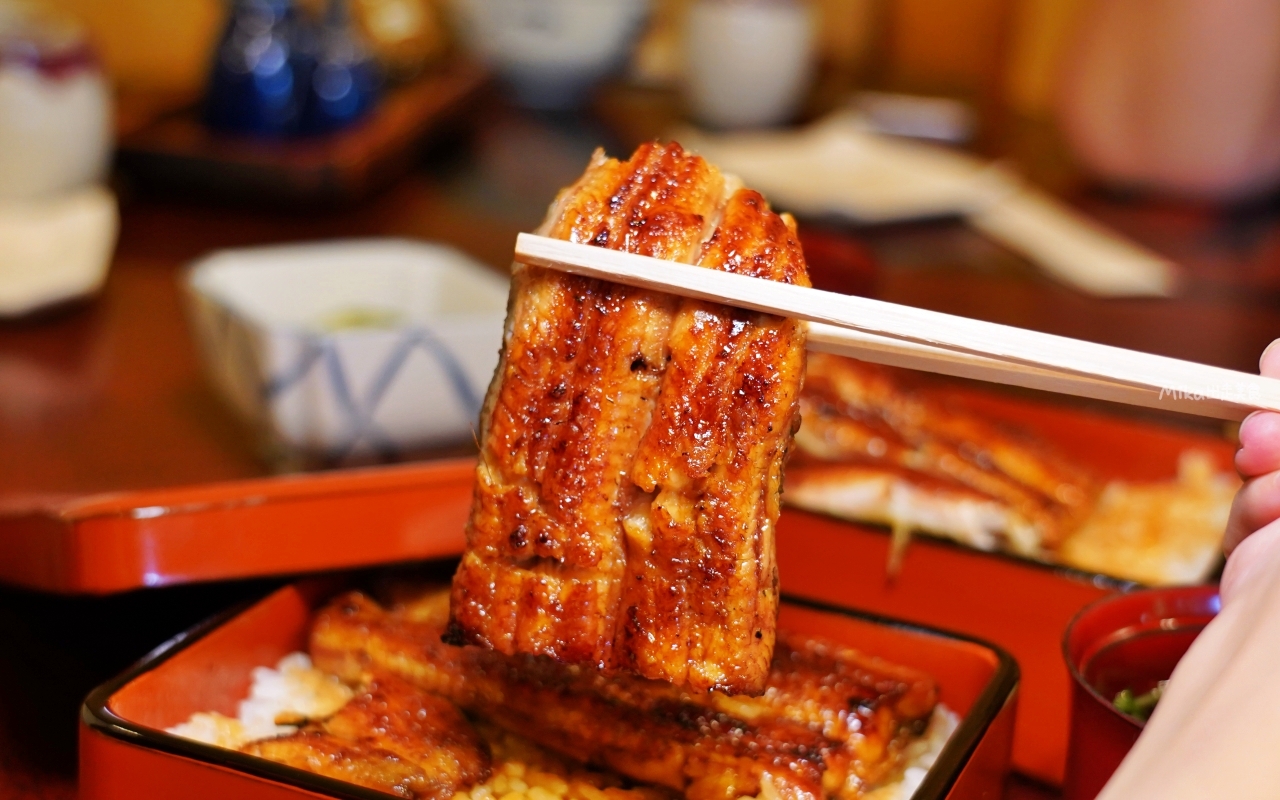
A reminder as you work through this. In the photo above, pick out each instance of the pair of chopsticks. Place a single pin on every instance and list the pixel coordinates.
(886, 333)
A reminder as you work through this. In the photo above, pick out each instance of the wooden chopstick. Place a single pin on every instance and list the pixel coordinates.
(877, 331)
(897, 353)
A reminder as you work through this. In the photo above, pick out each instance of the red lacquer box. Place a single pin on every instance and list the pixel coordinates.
(287, 525)
(125, 753)
(1022, 606)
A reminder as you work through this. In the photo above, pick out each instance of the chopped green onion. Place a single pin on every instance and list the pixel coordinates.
(1139, 706)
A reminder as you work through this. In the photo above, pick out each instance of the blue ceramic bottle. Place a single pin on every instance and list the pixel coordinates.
(343, 84)
(255, 86)
(278, 73)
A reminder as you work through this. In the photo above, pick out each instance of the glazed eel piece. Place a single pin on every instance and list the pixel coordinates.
(391, 736)
(832, 722)
(876, 448)
(632, 443)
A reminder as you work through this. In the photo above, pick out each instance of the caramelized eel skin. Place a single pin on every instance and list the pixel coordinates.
(392, 736)
(866, 414)
(632, 443)
(830, 724)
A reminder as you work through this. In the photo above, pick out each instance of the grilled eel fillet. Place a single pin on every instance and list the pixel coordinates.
(391, 736)
(875, 450)
(631, 443)
(831, 722)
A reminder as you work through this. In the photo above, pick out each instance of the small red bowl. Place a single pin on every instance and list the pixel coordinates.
(1127, 641)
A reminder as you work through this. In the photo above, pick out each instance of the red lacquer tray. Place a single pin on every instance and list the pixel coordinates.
(271, 526)
(124, 752)
(1022, 606)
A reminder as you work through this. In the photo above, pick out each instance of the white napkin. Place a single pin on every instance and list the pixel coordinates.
(54, 249)
(1071, 247)
(838, 166)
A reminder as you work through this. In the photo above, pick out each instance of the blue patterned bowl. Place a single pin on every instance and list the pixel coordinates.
(350, 348)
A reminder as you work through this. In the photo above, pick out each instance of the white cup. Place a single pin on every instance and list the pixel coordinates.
(551, 52)
(748, 63)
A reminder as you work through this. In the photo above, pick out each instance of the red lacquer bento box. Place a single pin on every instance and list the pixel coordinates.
(1021, 605)
(125, 753)
(285, 525)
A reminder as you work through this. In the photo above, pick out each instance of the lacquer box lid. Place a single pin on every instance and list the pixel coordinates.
(287, 525)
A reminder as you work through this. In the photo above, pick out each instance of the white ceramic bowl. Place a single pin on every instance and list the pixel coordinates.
(350, 348)
(550, 51)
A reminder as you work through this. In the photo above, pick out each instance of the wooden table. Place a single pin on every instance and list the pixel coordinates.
(108, 395)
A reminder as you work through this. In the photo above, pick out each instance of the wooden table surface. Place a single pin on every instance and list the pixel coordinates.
(108, 394)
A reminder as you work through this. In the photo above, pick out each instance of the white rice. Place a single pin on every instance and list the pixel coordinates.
(297, 690)
(921, 756)
(293, 690)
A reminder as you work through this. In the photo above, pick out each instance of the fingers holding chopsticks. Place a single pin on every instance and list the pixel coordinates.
(1257, 504)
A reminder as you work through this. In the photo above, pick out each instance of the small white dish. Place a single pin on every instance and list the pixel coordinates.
(350, 348)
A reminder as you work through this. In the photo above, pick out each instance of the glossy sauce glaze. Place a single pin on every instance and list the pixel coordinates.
(391, 737)
(632, 443)
(874, 417)
(832, 722)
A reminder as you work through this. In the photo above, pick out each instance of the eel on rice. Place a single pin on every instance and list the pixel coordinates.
(831, 723)
(876, 449)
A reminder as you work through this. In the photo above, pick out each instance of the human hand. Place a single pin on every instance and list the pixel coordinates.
(1252, 529)
(1215, 731)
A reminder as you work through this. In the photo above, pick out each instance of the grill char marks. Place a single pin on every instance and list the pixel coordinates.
(700, 596)
(632, 443)
(865, 703)
(871, 416)
(831, 723)
(392, 737)
(566, 412)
